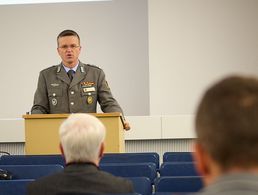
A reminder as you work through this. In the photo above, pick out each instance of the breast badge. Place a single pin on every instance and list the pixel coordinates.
(54, 101)
(89, 99)
(54, 84)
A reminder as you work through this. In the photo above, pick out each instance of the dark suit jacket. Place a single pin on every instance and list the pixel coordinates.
(80, 178)
(57, 94)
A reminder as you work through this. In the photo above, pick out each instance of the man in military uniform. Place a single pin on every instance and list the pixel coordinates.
(73, 87)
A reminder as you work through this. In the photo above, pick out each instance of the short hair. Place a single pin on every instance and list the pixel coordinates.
(68, 33)
(81, 136)
(227, 122)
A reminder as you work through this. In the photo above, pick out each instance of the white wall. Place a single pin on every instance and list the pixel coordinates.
(192, 43)
(114, 36)
(143, 128)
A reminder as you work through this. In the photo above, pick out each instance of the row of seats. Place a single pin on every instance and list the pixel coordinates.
(173, 177)
(131, 170)
(18, 187)
(30, 171)
(118, 169)
(142, 185)
(107, 158)
(123, 170)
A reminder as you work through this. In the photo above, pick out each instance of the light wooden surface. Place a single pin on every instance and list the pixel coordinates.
(41, 132)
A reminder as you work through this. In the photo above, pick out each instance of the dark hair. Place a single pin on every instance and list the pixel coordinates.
(67, 33)
(227, 122)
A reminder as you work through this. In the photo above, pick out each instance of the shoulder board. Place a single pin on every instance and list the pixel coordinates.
(51, 67)
(93, 66)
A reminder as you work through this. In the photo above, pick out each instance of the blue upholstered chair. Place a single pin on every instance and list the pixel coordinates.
(32, 159)
(178, 157)
(180, 184)
(178, 169)
(131, 158)
(14, 187)
(31, 171)
(131, 169)
(142, 185)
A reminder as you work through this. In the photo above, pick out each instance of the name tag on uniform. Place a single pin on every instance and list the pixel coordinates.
(89, 89)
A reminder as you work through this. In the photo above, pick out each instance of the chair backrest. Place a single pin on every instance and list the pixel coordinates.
(131, 169)
(32, 159)
(142, 185)
(85, 193)
(14, 187)
(131, 158)
(31, 171)
(170, 193)
(178, 184)
(178, 169)
(178, 157)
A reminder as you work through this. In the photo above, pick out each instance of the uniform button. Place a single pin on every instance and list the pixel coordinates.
(54, 94)
(72, 103)
(72, 92)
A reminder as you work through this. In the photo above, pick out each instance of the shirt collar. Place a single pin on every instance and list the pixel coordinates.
(74, 68)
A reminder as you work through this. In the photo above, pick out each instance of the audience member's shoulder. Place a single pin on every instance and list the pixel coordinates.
(116, 179)
(46, 179)
(79, 193)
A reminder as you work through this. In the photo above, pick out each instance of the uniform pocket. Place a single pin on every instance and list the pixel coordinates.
(55, 97)
(55, 93)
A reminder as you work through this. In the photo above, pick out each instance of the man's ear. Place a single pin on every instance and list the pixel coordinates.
(205, 164)
(58, 51)
(61, 149)
(201, 158)
(101, 151)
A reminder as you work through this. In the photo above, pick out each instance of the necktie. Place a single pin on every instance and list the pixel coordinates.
(70, 74)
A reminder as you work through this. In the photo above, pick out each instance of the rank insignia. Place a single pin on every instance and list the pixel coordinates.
(90, 100)
(54, 101)
(82, 69)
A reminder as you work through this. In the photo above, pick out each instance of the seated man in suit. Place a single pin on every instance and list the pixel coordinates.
(227, 137)
(82, 144)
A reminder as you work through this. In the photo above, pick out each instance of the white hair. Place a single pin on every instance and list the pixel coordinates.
(81, 136)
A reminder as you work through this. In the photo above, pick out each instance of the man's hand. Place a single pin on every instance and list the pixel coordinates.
(127, 126)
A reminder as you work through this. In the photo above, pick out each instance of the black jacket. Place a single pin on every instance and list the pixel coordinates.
(80, 178)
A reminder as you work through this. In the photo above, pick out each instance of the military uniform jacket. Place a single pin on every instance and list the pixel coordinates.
(57, 94)
(80, 179)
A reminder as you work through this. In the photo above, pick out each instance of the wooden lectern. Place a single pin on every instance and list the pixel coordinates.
(41, 132)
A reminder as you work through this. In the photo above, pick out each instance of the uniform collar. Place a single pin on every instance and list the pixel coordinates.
(74, 68)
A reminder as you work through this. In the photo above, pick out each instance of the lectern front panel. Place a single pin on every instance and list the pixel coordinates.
(41, 133)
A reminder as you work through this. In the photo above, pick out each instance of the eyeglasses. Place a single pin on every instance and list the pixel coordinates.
(65, 47)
